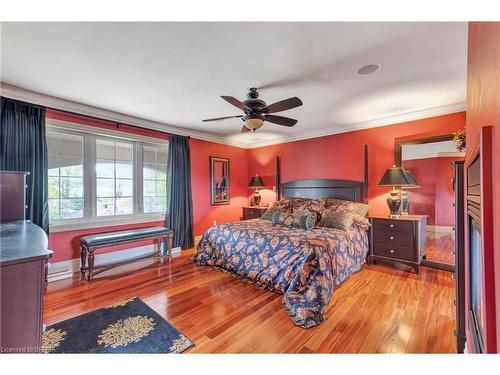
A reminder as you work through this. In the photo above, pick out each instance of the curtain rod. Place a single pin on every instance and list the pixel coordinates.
(114, 122)
(14, 97)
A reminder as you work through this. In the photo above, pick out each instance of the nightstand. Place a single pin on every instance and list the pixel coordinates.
(400, 240)
(253, 212)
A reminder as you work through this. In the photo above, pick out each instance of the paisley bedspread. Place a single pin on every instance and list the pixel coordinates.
(305, 265)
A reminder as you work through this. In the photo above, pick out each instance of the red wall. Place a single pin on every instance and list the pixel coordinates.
(483, 109)
(205, 214)
(66, 244)
(341, 155)
(435, 195)
(445, 196)
(423, 199)
(336, 156)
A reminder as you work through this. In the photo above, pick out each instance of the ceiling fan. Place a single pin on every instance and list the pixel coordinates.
(257, 111)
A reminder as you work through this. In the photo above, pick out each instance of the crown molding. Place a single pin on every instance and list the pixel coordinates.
(384, 121)
(19, 93)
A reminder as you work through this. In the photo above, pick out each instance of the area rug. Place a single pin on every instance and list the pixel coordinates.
(129, 326)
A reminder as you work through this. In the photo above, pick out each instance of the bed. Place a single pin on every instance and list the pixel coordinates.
(306, 266)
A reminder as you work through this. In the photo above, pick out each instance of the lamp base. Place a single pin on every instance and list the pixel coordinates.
(255, 200)
(394, 203)
(405, 203)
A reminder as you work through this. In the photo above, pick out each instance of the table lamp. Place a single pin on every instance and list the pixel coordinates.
(256, 183)
(412, 184)
(394, 177)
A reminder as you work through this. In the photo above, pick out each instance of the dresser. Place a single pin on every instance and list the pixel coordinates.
(23, 260)
(253, 212)
(398, 240)
(12, 195)
(23, 263)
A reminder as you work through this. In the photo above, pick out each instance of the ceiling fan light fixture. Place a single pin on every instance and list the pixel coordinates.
(256, 111)
(254, 123)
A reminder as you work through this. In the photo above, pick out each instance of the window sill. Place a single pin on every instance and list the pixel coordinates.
(103, 222)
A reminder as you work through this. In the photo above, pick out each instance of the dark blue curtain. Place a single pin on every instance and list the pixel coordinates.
(179, 215)
(23, 147)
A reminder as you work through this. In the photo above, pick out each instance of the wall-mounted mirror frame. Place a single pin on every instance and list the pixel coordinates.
(219, 181)
(398, 144)
(398, 161)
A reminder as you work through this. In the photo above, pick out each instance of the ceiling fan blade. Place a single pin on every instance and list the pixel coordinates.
(234, 102)
(280, 120)
(283, 105)
(221, 118)
(244, 129)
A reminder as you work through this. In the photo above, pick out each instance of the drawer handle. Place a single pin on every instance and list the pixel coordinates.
(391, 237)
(391, 251)
(391, 225)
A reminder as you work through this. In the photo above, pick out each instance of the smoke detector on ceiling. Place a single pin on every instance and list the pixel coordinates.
(369, 69)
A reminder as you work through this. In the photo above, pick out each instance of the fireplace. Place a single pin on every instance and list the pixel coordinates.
(476, 304)
(477, 316)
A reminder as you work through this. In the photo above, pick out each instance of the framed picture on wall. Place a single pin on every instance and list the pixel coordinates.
(219, 180)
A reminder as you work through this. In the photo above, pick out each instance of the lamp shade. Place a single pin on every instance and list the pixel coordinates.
(412, 183)
(394, 176)
(256, 182)
(254, 123)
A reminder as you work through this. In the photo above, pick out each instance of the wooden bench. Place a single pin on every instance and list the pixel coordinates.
(88, 245)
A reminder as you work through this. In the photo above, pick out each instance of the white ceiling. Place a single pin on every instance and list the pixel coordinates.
(174, 73)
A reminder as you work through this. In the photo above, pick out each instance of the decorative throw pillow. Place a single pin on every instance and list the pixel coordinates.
(298, 219)
(316, 206)
(358, 207)
(360, 222)
(337, 217)
(279, 216)
(284, 204)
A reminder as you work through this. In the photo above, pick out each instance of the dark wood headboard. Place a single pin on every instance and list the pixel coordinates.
(341, 189)
(325, 188)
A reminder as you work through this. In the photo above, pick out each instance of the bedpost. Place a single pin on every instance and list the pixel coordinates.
(278, 179)
(366, 175)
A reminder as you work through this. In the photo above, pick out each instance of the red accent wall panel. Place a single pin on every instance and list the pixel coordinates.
(341, 155)
(435, 195)
(483, 109)
(445, 196)
(205, 214)
(423, 200)
(66, 245)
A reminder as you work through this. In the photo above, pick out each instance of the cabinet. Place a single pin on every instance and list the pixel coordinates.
(400, 240)
(253, 212)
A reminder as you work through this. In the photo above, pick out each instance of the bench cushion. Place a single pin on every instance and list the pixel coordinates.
(110, 238)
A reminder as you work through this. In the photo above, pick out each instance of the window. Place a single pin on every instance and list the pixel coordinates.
(154, 172)
(114, 177)
(107, 177)
(65, 175)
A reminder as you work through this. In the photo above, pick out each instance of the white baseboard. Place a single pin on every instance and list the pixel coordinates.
(66, 268)
(439, 228)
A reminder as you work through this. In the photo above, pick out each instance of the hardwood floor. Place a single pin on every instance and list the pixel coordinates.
(378, 310)
(440, 247)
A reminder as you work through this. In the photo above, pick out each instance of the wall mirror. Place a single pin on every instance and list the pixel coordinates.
(430, 162)
(219, 181)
